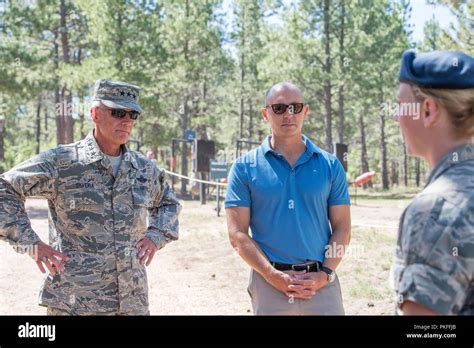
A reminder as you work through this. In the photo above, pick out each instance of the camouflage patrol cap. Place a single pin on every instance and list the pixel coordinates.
(117, 94)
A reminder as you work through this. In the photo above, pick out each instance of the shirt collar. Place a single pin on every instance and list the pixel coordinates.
(266, 145)
(458, 155)
(311, 148)
(93, 153)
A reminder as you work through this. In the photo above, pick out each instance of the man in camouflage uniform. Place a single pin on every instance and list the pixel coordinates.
(99, 194)
(433, 267)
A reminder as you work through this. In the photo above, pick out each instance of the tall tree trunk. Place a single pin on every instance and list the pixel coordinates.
(119, 41)
(327, 83)
(417, 171)
(81, 98)
(422, 172)
(383, 147)
(154, 150)
(2, 137)
(184, 152)
(59, 119)
(57, 94)
(67, 115)
(204, 97)
(394, 172)
(364, 159)
(66, 134)
(64, 33)
(242, 81)
(45, 113)
(38, 125)
(82, 118)
(185, 116)
(405, 164)
(250, 119)
(340, 126)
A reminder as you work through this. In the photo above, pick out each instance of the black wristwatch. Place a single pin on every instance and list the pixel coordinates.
(331, 274)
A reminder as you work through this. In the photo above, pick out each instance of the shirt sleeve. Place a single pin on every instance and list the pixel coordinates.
(33, 178)
(238, 191)
(163, 223)
(437, 257)
(339, 193)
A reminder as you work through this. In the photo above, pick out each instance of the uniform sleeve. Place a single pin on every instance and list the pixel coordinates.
(163, 224)
(33, 178)
(437, 256)
(339, 193)
(238, 192)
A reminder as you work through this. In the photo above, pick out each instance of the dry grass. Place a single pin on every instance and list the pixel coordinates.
(201, 273)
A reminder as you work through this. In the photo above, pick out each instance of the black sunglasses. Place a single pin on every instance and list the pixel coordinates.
(280, 109)
(119, 113)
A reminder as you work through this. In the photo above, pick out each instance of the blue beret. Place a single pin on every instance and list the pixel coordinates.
(437, 69)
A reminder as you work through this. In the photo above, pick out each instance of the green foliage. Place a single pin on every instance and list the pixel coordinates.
(206, 64)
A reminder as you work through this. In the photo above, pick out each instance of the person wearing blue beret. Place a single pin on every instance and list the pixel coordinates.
(433, 267)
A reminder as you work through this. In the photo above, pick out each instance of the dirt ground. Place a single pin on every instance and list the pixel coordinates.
(201, 273)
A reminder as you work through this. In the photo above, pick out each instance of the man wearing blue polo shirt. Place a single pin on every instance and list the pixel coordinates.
(294, 197)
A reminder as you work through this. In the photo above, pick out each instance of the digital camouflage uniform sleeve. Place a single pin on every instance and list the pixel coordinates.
(163, 225)
(35, 177)
(433, 255)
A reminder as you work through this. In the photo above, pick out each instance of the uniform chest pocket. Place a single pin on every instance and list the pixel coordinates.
(142, 201)
(85, 208)
(141, 196)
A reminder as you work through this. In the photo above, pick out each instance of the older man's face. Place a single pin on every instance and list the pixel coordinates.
(115, 131)
(289, 123)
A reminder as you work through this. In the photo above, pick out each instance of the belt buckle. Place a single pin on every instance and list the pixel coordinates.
(301, 267)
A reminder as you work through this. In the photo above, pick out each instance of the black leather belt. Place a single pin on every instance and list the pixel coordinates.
(309, 266)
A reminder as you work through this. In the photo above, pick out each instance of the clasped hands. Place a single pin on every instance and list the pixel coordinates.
(298, 284)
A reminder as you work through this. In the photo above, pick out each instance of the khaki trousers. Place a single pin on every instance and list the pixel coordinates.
(266, 300)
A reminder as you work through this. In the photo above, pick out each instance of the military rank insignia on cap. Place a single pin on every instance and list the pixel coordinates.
(117, 95)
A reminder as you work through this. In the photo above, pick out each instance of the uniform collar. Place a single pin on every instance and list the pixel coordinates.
(93, 153)
(311, 148)
(458, 155)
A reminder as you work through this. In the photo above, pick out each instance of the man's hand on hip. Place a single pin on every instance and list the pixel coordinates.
(305, 285)
(146, 251)
(44, 255)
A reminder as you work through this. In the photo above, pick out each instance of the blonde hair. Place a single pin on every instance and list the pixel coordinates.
(458, 103)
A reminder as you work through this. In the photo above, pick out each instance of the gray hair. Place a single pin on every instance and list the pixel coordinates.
(96, 104)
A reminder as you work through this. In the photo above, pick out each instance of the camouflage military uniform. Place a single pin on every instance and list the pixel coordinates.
(434, 260)
(96, 220)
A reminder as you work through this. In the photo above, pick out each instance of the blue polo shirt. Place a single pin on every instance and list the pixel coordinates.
(289, 205)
